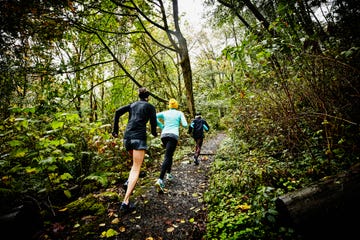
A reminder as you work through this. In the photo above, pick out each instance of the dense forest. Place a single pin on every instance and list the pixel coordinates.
(280, 77)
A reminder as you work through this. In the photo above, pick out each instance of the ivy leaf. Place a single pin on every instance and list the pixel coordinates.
(15, 143)
(20, 152)
(57, 125)
(66, 176)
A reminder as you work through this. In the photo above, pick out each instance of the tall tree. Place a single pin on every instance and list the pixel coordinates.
(27, 27)
(149, 19)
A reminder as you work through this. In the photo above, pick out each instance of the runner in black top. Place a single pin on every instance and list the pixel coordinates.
(196, 130)
(140, 112)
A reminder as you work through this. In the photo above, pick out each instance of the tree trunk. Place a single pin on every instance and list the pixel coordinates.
(187, 75)
(184, 60)
(326, 209)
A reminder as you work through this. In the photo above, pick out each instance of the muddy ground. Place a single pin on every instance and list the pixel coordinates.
(180, 212)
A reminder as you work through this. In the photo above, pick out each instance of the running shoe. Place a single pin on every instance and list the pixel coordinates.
(160, 186)
(169, 177)
(126, 208)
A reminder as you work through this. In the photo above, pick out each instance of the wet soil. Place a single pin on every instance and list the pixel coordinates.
(180, 212)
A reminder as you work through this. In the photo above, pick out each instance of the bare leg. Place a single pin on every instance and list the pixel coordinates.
(138, 158)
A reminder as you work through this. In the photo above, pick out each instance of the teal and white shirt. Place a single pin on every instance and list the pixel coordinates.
(169, 122)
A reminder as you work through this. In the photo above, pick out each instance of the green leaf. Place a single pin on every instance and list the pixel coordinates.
(66, 176)
(99, 177)
(52, 168)
(18, 153)
(15, 143)
(69, 145)
(48, 160)
(31, 170)
(69, 157)
(67, 193)
(109, 233)
(72, 116)
(57, 125)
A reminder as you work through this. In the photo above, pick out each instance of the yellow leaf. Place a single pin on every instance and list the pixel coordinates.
(149, 238)
(122, 229)
(244, 206)
(115, 221)
(170, 229)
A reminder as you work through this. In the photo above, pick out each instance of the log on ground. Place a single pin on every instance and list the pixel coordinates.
(328, 209)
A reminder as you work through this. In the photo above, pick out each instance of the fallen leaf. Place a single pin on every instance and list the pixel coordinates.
(170, 229)
(122, 229)
(115, 221)
(109, 233)
(180, 220)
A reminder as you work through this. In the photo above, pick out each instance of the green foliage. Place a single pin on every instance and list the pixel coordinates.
(42, 155)
(100, 177)
(87, 205)
(241, 206)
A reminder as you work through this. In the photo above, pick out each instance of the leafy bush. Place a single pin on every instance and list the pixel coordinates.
(52, 156)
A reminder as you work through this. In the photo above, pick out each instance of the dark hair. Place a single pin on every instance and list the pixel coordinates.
(143, 93)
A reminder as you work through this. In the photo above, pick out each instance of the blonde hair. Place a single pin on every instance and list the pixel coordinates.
(173, 103)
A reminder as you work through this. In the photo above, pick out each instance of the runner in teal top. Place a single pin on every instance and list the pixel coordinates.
(169, 122)
(172, 119)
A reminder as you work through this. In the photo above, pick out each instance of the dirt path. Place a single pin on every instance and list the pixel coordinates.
(180, 212)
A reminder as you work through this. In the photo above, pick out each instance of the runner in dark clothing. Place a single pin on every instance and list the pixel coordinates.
(140, 112)
(196, 130)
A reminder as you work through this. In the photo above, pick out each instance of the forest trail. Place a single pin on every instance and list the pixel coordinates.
(180, 212)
